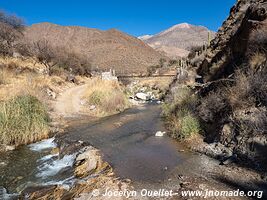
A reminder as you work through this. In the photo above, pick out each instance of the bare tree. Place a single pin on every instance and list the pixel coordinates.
(51, 56)
(46, 54)
(11, 29)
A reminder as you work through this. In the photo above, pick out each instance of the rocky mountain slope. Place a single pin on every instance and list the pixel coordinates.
(240, 36)
(232, 102)
(105, 49)
(178, 40)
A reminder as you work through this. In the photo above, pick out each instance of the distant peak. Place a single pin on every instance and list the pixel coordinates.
(145, 37)
(177, 26)
(182, 25)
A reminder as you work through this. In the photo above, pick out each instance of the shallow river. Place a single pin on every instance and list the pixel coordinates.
(129, 144)
(127, 141)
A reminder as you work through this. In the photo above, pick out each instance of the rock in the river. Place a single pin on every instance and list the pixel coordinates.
(4, 148)
(159, 102)
(90, 172)
(142, 96)
(160, 133)
(89, 161)
(55, 151)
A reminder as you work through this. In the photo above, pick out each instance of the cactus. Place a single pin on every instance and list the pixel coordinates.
(209, 38)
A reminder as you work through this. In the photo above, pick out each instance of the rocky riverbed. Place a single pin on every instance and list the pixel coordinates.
(117, 153)
(64, 171)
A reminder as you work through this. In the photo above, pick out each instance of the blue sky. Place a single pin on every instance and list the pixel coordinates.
(135, 17)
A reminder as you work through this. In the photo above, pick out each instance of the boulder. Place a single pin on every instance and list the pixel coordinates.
(142, 96)
(160, 133)
(88, 161)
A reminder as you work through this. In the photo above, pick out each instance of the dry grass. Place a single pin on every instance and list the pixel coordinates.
(107, 96)
(23, 120)
(23, 101)
(161, 83)
(257, 60)
(243, 103)
(179, 114)
(28, 84)
(28, 63)
(5, 76)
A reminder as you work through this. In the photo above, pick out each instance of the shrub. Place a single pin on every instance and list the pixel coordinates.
(173, 62)
(97, 97)
(152, 69)
(58, 71)
(11, 30)
(242, 103)
(251, 87)
(258, 41)
(55, 57)
(107, 96)
(194, 50)
(23, 119)
(183, 124)
(179, 115)
(257, 60)
(213, 107)
(189, 126)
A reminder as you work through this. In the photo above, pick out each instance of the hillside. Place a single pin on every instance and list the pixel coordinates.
(105, 49)
(230, 105)
(178, 40)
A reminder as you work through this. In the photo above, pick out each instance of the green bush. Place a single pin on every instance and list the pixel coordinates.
(179, 114)
(182, 124)
(189, 126)
(23, 119)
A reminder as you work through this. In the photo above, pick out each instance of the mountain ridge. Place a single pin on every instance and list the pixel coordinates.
(105, 49)
(177, 40)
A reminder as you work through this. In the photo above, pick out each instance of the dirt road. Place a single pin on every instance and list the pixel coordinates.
(69, 104)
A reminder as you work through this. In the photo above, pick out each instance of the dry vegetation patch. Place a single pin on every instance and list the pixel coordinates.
(180, 116)
(24, 101)
(23, 120)
(107, 96)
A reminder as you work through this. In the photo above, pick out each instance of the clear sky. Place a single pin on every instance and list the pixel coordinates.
(135, 17)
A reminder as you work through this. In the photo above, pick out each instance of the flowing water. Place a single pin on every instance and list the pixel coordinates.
(34, 165)
(129, 144)
(127, 141)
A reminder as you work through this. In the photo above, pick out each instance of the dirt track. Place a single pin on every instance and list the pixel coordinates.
(69, 103)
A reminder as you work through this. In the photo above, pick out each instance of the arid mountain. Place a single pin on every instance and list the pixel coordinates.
(105, 49)
(178, 40)
(238, 39)
(232, 94)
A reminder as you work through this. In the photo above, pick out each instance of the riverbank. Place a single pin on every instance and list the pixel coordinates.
(35, 106)
(137, 160)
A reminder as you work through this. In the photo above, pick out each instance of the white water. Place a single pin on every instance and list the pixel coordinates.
(47, 169)
(5, 196)
(48, 157)
(44, 144)
(51, 169)
(66, 183)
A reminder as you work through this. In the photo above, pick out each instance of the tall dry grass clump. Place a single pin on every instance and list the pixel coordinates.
(107, 96)
(23, 119)
(180, 114)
